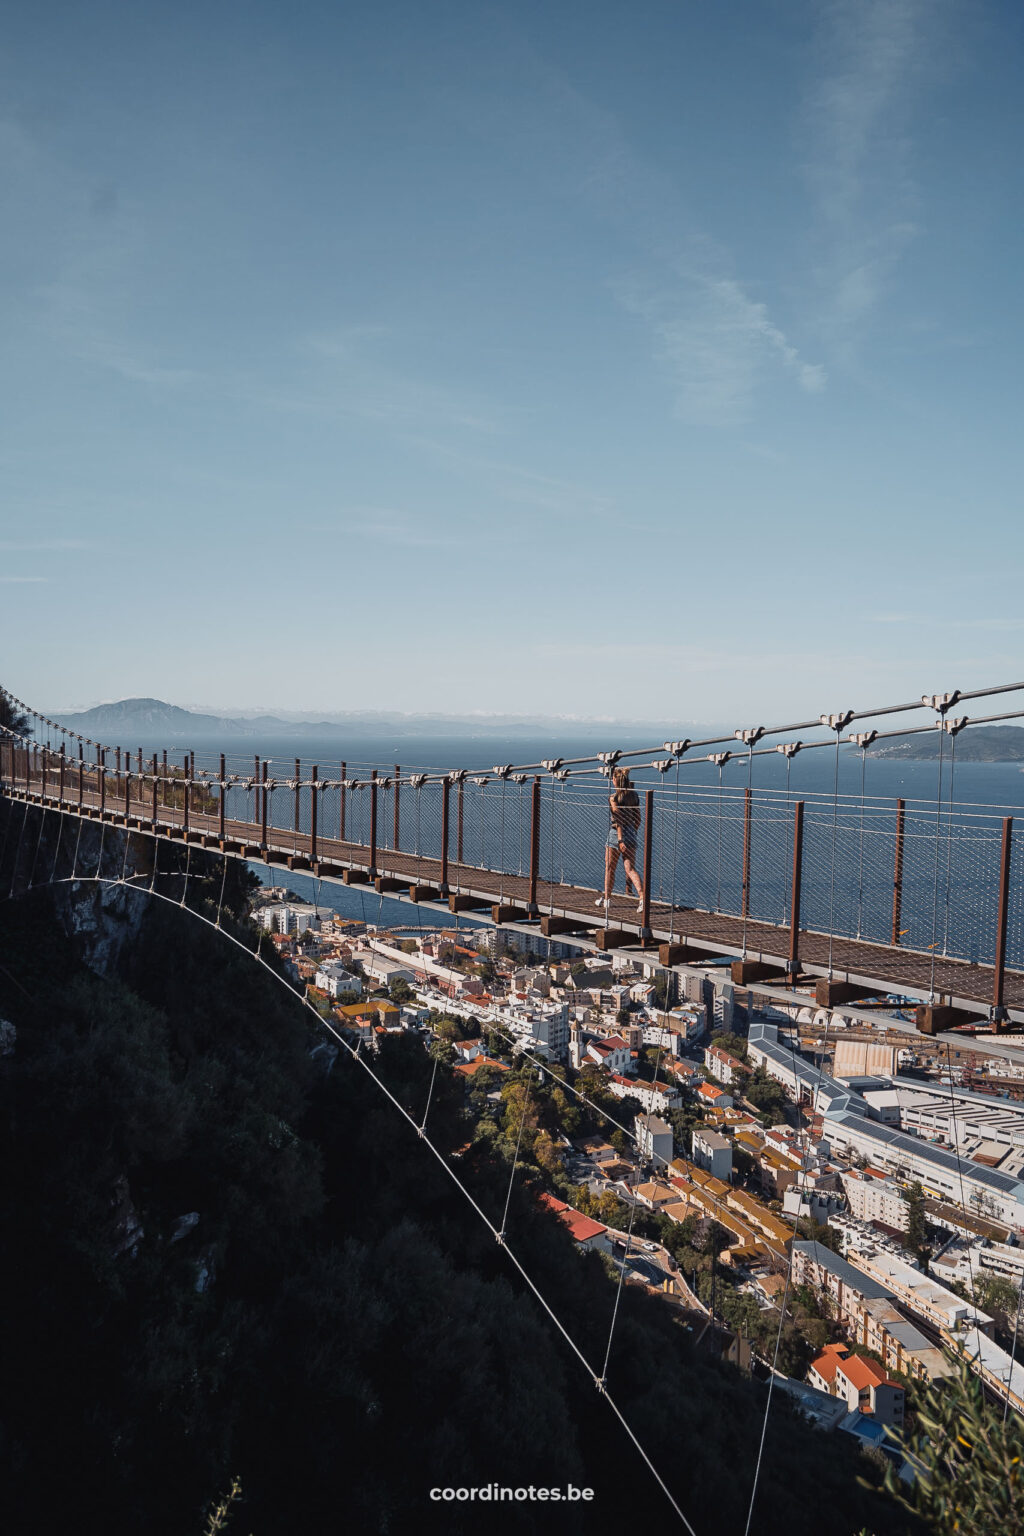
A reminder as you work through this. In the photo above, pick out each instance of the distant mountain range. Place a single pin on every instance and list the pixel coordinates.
(975, 744)
(130, 720)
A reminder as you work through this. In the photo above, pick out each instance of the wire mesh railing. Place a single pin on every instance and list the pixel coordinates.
(915, 874)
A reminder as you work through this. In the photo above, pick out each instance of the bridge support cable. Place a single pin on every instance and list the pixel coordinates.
(951, 726)
(802, 1178)
(515, 1160)
(959, 1164)
(430, 1095)
(832, 858)
(935, 875)
(1013, 1350)
(35, 855)
(356, 1055)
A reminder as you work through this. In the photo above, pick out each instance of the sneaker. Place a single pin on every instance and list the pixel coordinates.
(640, 909)
(602, 902)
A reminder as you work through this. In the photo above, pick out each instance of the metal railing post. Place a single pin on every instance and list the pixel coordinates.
(897, 874)
(445, 789)
(748, 797)
(648, 849)
(798, 865)
(534, 842)
(312, 812)
(460, 796)
(373, 824)
(999, 978)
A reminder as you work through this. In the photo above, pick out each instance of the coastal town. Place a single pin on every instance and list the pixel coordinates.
(837, 1205)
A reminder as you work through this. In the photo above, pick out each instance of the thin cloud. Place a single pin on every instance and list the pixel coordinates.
(719, 343)
(715, 341)
(870, 57)
(19, 581)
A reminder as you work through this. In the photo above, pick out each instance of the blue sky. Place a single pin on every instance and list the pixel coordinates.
(648, 361)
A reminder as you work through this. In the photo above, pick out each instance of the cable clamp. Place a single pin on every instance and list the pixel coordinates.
(720, 758)
(662, 764)
(940, 701)
(789, 748)
(611, 758)
(552, 764)
(751, 737)
(837, 722)
(863, 738)
(503, 772)
(955, 726)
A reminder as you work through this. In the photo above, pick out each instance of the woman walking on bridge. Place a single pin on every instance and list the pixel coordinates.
(624, 804)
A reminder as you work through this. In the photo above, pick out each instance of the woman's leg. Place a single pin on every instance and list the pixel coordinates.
(611, 859)
(630, 872)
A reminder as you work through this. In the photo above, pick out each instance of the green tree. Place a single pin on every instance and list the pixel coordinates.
(1001, 1299)
(766, 1094)
(13, 718)
(736, 1045)
(917, 1220)
(400, 991)
(968, 1461)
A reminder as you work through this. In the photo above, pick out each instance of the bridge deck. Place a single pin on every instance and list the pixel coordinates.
(889, 969)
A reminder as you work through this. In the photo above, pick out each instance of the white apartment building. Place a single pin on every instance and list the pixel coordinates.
(941, 1174)
(612, 1053)
(712, 1152)
(721, 1065)
(918, 1292)
(654, 1139)
(333, 979)
(656, 1098)
(874, 1199)
(284, 917)
(383, 970)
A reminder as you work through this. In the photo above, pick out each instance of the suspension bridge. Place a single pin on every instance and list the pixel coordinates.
(850, 901)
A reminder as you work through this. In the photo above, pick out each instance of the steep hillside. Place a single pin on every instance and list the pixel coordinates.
(231, 1260)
